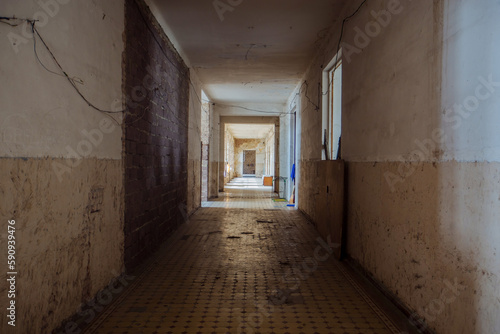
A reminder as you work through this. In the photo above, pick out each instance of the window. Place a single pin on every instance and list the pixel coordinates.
(332, 108)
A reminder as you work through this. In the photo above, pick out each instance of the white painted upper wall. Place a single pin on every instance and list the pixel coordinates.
(391, 80)
(41, 115)
(422, 86)
(471, 80)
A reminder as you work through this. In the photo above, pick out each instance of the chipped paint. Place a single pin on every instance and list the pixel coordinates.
(69, 236)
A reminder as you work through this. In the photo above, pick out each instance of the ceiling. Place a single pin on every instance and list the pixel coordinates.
(249, 131)
(250, 51)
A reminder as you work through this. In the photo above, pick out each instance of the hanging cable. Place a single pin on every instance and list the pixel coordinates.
(36, 34)
(340, 40)
(70, 80)
(198, 97)
(36, 53)
(280, 113)
(3, 19)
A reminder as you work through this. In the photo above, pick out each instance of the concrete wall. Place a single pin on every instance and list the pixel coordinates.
(421, 154)
(156, 136)
(62, 173)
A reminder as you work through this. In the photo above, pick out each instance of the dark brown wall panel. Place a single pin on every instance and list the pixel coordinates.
(156, 129)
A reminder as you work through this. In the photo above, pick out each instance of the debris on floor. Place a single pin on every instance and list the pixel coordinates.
(286, 296)
(202, 285)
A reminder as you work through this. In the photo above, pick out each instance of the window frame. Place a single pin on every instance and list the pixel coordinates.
(330, 94)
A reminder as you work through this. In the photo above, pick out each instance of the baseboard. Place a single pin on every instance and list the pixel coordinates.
(417, 325)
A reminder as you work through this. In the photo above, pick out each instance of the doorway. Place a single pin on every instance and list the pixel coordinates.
(249, 157)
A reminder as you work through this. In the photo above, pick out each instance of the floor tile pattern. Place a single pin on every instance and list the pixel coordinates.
(260, 269)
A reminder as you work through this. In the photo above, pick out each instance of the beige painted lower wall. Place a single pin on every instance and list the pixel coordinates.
(323, 183)
(69, 236)
(431, 238)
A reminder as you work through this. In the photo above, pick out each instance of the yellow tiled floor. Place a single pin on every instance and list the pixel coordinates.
(260, 269)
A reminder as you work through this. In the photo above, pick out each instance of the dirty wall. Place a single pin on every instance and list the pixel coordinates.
(419, 108)
(62, 173)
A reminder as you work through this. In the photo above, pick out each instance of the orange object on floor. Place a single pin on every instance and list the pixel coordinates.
(268, 180)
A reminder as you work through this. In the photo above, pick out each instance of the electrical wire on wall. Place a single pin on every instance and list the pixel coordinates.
(276, 113)
(304, 83)
(330, 82)
(185, 71)
(36, 35)
(73, 80)
(198, 96)
(4, 20)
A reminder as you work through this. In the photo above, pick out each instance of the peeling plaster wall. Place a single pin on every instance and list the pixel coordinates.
(205, 139)
(269, 157)
(62, 174)
(214, 157)
(230, 150)
(259, 145)
(422, 169)
(69, 236)
(205, 123)
(437, 214)
(432, 241)
(194, 145)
